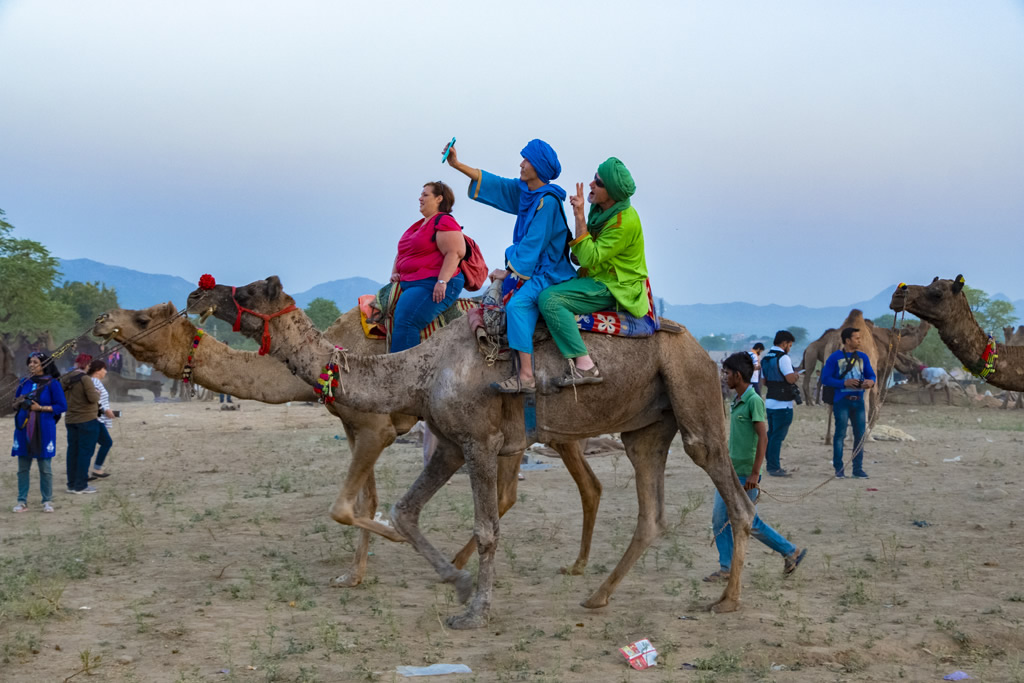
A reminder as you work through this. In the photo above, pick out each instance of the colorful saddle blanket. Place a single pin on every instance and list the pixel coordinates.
(617, 323)
(376, 313)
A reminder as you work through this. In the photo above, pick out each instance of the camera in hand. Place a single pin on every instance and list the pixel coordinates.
(117, 413)
(797, 396)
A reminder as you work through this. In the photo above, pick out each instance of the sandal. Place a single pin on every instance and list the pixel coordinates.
(512, 385)
(715, 577)
(793, 561)
(20, 507)
(574, 376)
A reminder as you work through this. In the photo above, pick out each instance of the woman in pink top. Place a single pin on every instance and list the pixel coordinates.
(427, 265)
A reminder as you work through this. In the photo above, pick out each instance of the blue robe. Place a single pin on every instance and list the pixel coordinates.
(46, 422)
(538, 253)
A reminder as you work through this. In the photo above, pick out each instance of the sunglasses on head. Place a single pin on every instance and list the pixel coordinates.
(598, 181)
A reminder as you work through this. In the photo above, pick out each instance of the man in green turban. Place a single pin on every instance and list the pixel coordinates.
(609, 247)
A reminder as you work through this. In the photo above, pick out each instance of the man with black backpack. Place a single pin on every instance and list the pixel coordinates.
(783, 393)
(848, 373)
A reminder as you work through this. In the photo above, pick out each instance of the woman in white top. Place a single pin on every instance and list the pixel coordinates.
(97, 371)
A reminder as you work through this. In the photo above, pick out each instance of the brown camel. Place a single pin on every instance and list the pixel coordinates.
(944, 305)
(1013, 339)
(160, 337)
(655, 387)
(814, 354)
(8, 379)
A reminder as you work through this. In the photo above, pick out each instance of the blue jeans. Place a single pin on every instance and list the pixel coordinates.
(416, 308)
(45, 478)
(779, 420)
(850, 408)
(105, 443)
(82, 438)
(759, 530)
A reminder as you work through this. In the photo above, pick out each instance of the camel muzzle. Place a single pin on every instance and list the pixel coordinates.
(206, 314)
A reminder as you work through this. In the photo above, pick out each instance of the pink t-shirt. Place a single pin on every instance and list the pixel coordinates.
(418, 255)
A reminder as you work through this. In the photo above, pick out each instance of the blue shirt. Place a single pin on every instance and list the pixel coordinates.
(837, 364)
(541, 237)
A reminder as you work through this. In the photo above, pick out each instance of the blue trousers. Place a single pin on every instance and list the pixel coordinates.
(522, 312)
(779, 420)
(849, 409)
(45, 477)
(416, 308)
(82, 438)
(105, 443)
(759, 530)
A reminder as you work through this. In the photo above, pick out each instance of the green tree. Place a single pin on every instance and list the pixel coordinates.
(933, 352)
(27, 277)
(992, 314)
(799, 334)
(715, 342)
(83, 301)
(323, 312)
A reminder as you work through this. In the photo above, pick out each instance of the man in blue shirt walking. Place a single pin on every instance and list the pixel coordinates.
(848, 371)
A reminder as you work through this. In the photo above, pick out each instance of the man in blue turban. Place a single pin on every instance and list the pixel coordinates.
(539, 254)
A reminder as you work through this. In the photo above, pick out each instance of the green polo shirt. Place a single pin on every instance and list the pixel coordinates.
(746, 410)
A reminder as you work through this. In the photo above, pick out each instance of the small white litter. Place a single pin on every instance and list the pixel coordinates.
(956, 459)
(433, 670)
(379, 517)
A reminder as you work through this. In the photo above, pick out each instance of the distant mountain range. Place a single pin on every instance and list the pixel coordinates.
(142, 290)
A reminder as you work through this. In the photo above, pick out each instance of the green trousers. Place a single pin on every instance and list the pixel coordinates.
(561, 303)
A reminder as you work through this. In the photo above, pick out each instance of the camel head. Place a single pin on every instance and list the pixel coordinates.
(264, 297)
(147, 331)
(937, 303)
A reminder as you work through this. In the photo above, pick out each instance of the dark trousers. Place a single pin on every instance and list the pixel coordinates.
(779, 420)
(105, 443)
(82, 438)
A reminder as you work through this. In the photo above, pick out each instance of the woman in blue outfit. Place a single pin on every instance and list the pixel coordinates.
(39, 402)
(427, 265)
(539, 254)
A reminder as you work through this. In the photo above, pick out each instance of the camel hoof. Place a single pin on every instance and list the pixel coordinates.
(595, 601)
(724, 605)
(575, 570)
(466, 621)
(347, 580)
(463, 583)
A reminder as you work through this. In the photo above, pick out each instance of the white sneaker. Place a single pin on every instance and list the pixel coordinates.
(87, 489)
(47, 507)
(20, 507)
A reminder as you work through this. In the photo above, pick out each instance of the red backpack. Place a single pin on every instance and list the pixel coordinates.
(473, 266)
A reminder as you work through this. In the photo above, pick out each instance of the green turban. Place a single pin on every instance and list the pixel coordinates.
(620, 186)
(617, 179)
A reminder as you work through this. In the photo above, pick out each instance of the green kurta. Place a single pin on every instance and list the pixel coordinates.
(615, 258)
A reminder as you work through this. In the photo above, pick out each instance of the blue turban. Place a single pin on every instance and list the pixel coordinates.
(543, 159)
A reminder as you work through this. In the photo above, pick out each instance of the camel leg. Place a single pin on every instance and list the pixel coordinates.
(590, 496)
(405, 514)
(366, 506)
(647, 450)
(366, 445)
(508, 487)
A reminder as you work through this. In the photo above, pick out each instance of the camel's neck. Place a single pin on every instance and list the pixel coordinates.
(218, 367)
(965, 338)
(374, 383)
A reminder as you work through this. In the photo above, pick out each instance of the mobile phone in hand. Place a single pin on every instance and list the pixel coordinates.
(117, 413)
(447, 149)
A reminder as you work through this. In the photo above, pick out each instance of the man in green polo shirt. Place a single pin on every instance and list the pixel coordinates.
(609, 246)
(748, 441)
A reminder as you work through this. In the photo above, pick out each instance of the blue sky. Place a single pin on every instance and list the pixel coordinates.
(787, 152)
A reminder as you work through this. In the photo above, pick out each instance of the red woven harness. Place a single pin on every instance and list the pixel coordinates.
(265, 341)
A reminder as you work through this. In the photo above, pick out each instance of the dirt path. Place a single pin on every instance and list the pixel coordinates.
(210, 550)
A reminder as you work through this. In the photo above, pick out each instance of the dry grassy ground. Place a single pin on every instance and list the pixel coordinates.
(207, 556)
